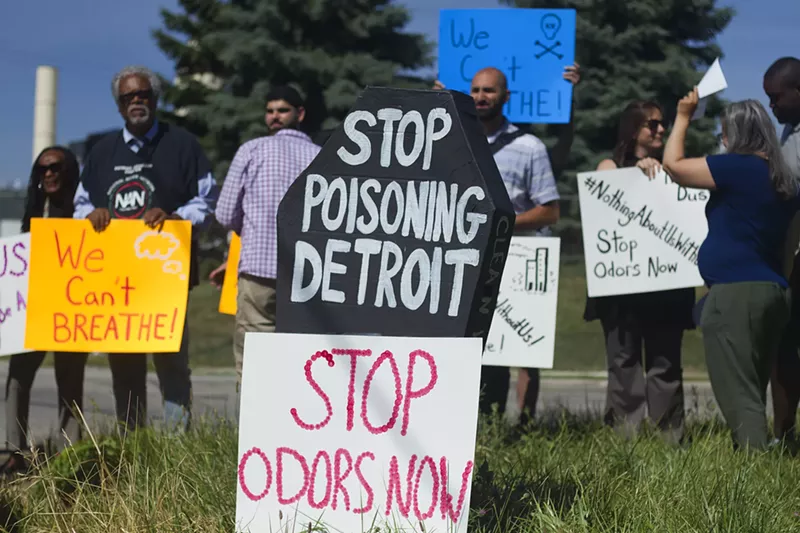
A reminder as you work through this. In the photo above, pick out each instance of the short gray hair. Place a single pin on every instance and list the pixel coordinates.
(749, 130)
(155, 81)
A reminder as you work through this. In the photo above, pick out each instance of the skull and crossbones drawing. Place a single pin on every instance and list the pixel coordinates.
(550, 25)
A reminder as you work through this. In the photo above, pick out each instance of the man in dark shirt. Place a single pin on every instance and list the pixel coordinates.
(782, 87)
(170, 176)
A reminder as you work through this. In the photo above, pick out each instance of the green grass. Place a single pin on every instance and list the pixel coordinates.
(579, 344)
(571, 475)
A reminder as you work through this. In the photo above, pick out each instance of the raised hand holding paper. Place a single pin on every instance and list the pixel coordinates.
(713, 82)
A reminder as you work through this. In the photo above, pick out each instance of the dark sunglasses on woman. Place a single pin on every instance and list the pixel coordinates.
(52, 167)
(653, 125)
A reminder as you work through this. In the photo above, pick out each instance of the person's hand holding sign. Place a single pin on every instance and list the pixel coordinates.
(688, 104)
(155, 217)
(217, 276)
(572, 74)
(650, 166)
(100, 218)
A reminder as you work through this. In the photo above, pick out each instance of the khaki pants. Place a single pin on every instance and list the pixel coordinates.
(645, 377)
(255, 312)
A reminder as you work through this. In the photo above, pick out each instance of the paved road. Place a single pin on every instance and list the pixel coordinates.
(215, 394)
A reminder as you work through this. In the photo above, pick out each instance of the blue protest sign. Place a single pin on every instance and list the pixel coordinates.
(531, 46)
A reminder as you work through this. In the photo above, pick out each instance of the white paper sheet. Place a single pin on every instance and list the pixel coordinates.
(713, 82)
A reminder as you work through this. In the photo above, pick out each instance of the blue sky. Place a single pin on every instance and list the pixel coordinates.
(89, 40)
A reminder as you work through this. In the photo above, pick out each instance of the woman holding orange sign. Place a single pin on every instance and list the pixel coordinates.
(52, 185)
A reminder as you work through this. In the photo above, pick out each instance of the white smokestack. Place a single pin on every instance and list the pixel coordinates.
(44, 109)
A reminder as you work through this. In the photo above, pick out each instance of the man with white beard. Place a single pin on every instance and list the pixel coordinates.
(152, 171)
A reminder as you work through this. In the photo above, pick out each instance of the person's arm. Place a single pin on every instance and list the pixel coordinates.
(199, 209)
(607, 164)
(688, 172)
(539, 217)
(790, 247)
(83, 205)
(230, 212)
(559, 155)
(542, 190)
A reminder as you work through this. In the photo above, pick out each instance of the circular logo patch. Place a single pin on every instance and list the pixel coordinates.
(130, 197)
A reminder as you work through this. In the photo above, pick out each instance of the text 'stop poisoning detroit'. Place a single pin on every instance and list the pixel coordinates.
(400, 226)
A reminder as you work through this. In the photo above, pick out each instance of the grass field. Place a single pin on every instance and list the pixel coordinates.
(579, 345)
(571, 475)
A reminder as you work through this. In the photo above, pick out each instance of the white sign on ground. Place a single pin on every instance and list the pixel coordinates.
(640, 235)
(348, 433)
(14, 263)
(524, 326)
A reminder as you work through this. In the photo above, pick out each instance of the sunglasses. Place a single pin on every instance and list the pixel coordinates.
(653, 125)
(127, 98)
(53, 167)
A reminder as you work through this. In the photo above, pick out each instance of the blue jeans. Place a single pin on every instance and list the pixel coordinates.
(129, 379)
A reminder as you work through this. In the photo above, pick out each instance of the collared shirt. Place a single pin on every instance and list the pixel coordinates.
(260, 174)
(196, 210)
(790, 140)
(525, 168)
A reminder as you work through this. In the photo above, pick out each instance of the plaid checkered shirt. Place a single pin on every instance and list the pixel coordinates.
(259, 176)
(525, 168)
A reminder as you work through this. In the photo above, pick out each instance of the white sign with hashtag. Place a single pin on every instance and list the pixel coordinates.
(524, 325)
(640, 235)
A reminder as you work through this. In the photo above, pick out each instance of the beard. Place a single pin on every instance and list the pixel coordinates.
(490, 113)
(136, 120)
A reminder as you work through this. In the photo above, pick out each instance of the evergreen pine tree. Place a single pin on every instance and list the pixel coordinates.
(229, 53)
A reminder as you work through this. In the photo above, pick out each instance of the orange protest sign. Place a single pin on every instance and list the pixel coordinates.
(123, 290)
(227, 298)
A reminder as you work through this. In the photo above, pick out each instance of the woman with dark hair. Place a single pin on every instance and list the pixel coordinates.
(753, 200)
(51, 188)
(646, 326)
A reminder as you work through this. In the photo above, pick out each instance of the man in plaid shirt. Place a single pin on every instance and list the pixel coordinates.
(259, 176)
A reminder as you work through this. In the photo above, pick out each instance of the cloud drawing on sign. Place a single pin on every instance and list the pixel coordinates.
(160, 247)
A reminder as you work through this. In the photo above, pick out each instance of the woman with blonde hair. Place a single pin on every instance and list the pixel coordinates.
(753, 200)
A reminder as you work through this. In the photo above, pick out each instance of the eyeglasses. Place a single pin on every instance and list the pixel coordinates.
(52, 167)
(127, 98)
(653, 125)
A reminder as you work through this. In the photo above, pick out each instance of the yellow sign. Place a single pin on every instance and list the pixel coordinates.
(227, 298)
(123, 290)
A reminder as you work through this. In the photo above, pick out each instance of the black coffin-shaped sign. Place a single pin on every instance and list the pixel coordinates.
(400, 226)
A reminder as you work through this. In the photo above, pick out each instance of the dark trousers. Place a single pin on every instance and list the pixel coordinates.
(494, 390)
(644, 372)
(69, 369)
(786, 380)
(742, 325)
(129, 380)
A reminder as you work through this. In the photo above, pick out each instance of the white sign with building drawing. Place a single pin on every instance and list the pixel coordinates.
(524, 326)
